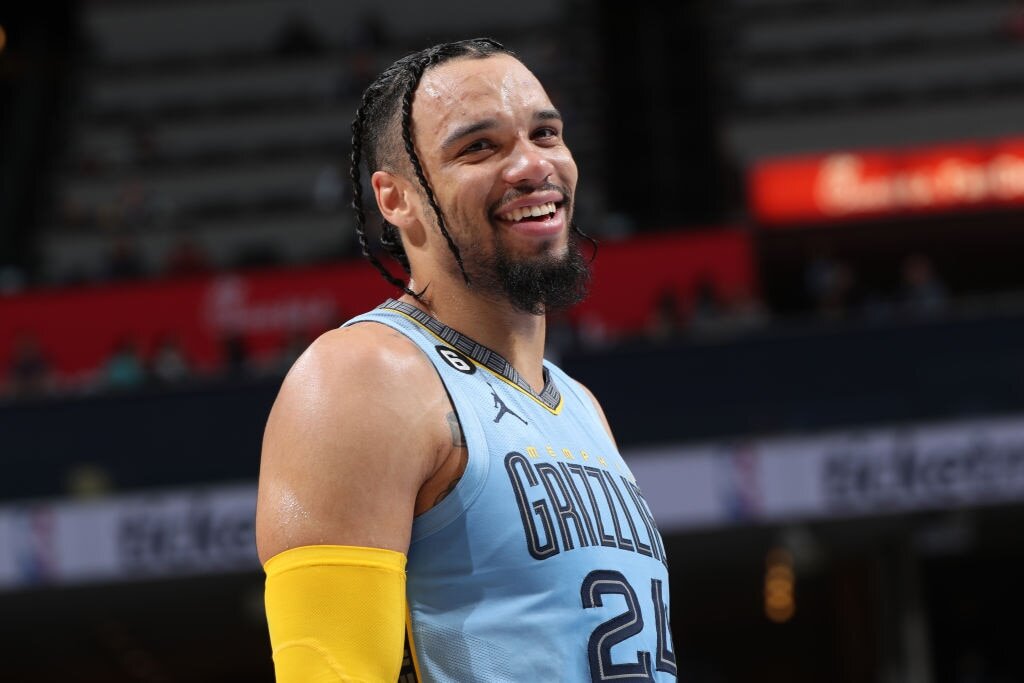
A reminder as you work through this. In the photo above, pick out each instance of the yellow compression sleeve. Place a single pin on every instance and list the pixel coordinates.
(336, 613)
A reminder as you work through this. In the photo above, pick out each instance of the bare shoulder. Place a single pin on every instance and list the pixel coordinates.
(369, 358)
(600, 410)
(348, 443)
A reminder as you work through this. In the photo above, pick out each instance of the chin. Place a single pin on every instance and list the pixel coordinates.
(555, 247)
(549, 249)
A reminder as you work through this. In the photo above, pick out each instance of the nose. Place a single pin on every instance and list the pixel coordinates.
(527, 164)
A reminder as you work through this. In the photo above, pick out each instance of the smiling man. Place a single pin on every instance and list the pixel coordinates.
(427, 477)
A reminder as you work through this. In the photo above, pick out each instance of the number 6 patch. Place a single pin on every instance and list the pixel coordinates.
(455, 359)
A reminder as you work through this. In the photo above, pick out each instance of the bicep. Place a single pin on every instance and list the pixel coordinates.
(338, 467)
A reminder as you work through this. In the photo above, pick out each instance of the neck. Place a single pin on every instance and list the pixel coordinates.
(515, 334)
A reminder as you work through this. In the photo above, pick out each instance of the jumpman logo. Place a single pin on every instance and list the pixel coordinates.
(502, 408)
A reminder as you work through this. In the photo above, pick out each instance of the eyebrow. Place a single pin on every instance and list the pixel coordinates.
(487, 124)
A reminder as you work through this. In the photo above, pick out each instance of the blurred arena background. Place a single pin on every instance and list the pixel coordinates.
(812, 224)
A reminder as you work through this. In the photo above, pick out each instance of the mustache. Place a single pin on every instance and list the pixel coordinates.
(515, 194)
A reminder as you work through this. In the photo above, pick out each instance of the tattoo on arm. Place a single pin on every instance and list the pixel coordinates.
(458, 440)
(451, 487)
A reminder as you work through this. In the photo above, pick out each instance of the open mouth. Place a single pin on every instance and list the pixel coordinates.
(535, 213)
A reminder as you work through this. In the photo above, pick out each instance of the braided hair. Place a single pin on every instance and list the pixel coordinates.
(387, 103)
(389, 98)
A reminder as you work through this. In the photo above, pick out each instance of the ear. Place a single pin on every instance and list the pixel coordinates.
(398, 203)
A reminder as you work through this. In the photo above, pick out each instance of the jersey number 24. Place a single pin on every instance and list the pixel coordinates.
(601, 582)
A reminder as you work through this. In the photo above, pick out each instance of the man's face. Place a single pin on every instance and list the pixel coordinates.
(491, 146)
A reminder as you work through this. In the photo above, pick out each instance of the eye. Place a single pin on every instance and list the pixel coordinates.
(546, 133)
(476, 146)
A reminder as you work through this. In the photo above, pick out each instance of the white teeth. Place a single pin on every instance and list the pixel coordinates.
(532, 211)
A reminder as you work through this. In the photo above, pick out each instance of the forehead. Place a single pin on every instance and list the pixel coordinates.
(467, 89)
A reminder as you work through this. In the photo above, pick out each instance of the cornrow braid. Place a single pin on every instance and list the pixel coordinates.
(388, 102)
(357, 198)
(576, 229)
(416, 74)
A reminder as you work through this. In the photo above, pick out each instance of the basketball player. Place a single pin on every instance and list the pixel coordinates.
(426, 476)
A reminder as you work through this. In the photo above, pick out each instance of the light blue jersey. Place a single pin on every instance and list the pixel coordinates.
(543, 563)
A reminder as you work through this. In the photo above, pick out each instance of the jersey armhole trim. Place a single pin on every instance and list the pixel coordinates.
(581, 395)
(473, 479)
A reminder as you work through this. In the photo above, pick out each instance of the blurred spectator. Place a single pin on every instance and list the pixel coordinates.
(124, 368)
(718, 314)
(234, 355)
(187, 258)
(329, 192)
(706, 306)
(169, 364)
(923, 293)
(666, 321)
(30, 372)
(742, 311)
(748, 307)
(12, 280)
(830, 285)
(124, 262)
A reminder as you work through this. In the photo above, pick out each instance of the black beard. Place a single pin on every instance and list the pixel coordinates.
(540, 284)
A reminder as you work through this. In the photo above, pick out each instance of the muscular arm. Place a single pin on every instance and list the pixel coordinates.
(357, 431)
(348, 444)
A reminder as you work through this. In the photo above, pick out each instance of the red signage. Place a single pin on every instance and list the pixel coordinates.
(78, 329)
(849, 185)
